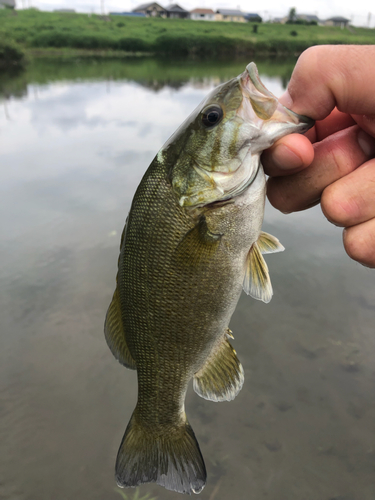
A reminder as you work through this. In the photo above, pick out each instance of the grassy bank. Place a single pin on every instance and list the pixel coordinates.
(34, 30)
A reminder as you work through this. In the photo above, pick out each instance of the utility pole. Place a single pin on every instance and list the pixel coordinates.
(102, 4)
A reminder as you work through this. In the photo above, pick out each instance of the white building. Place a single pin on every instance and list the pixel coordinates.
(202, 15)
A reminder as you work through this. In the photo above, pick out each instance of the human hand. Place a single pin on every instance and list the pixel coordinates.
(335, 86)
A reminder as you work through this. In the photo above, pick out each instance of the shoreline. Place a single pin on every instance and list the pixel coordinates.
(35, 34)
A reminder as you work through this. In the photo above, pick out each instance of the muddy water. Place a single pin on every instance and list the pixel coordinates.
(76, 137)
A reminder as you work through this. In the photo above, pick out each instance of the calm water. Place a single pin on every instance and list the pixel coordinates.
(75, 139)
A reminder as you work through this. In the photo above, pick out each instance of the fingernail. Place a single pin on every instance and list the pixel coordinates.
(285, 159)
(366, 143)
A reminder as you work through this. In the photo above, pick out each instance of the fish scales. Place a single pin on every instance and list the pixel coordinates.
(191, 242)
(181, 316)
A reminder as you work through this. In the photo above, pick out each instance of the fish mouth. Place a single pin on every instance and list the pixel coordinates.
(274, 119)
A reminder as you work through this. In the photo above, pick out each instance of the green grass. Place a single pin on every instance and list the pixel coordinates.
(33, 29)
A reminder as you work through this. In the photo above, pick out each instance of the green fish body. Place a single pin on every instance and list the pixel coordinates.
(191, 243)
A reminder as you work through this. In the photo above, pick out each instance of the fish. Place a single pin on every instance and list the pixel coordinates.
(192, 241)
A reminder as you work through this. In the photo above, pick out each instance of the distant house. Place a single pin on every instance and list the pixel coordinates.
(309, 18)
(151, 10)
(202, 15)
(65, 11)
(253, 18)
(131, 14)
(342, 22)
(174, 11)
(230, 15)
(10, 4)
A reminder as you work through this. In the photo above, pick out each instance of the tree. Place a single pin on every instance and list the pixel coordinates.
(292, 16)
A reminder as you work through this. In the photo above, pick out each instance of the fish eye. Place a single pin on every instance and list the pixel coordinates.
(212, 115)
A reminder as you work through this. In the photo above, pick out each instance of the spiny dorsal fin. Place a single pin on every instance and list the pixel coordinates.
(115, 335)
(222, 376)
(269, 244)
(257, 281)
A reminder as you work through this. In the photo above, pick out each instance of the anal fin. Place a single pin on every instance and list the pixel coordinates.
(222, 376)
(115, 334)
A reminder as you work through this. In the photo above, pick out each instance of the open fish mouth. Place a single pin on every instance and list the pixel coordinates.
(266, 111)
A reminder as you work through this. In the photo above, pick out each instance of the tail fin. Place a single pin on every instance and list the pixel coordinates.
(171, 458)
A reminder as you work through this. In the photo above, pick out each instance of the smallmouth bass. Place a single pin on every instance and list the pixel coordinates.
(192, 241)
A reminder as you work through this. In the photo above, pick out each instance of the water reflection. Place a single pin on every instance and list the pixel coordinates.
(151, 73)
(75, 140)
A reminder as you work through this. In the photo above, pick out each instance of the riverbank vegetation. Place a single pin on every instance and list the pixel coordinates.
(10, 54)
(35, 31)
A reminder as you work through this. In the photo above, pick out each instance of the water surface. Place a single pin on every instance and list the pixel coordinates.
(76, 138)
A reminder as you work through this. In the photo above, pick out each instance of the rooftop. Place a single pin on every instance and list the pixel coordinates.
(174, 7)
(145, 5)
(230, 12)
(202, 11)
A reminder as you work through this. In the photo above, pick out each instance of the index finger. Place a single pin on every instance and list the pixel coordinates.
(326, 76)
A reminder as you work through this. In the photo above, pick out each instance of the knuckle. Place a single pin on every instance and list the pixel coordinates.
(336, 208)
(358, 246)
(310, 56)
(337, 160)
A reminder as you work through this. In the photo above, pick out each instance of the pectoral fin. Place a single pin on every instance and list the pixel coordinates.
(115, 335)
(198, 245)
(257, 281)
(221, 378)
(269, 244)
